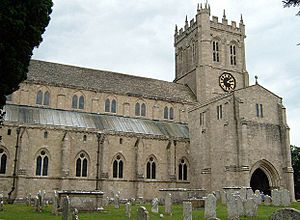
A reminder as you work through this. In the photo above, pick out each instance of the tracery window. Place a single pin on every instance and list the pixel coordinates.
(42, 98)
(182, 170)
(81, 165)
(78, 103)
(168, 113)
(216, 51)
(3, 161)
(232, 55)
(151, 169)
(118, 166)
(110, 106)
(140, 109)
(42, 162)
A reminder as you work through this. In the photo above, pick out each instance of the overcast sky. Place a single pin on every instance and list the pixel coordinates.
(136, 37)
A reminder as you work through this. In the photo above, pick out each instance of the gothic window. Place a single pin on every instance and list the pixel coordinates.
(107, 105)
(219, 112)
(140, 109)
(42, 164)
(216, 51)
(3, 161)
(151, 169)
(259, 110)
(118, 167)
(182, 170)
(74, 101)
(39, 97)
(81, 166)
(143, 109)
(169, 113)
(81, 102)
(46, 100)
(232, 55)
(113, 106)
(166, 113)
(137, 109)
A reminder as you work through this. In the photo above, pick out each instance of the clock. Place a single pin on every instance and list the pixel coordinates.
(227, 82)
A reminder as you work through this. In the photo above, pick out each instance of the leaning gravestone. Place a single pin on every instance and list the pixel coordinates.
(276, 197)
(187, 211)
(128, 209)
(66, 209)
(250, 207)
(285, 197)
(268, 200)
(285, 214)
(168, 204)
(154, 208)
(210, 207)
(142, 213)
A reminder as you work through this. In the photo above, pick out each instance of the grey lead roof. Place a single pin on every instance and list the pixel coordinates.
(104, 81)
(27, 115)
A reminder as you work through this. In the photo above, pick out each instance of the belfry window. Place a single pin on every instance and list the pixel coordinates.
(151, 169)
(42, 164)
(259, 110)
(168, 113)
(3, 161)
(81, 166)
(233, 55)
(118, 167)
(140, 109)
(182, 170)
(77, 103)
(216, 51)
(219, 112)
(110, 106)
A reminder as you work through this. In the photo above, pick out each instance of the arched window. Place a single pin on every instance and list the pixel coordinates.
(81, 166)
(81, 102)
(39, 97)
(137, 109)
(232, 55)
(171, 113)
(143, 109)
(182, 170)
(3, 161)
(215, 47)
(42, 163)
(46, 98)
(74, 101)
(113, 106)
(151, 169)
(166, 113)
(118, 167)
(107, 105)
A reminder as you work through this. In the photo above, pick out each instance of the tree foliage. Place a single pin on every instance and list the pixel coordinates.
(294, 3)
(295, 154)
(22, 23)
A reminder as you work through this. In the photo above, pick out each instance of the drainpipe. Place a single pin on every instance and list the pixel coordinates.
(100, 140)
(10, 200)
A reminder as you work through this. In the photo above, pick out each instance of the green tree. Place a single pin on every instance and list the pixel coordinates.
(22, 24)
(295, 154)
(294, 3)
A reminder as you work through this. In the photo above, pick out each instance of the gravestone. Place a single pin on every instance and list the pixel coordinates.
(55, 203)
(250, 207)
(128, 209)
(66, 209)
(1, 202)
(276, 197)
(154, 207)
(141, 200)
(210, 207)
(268, 200)
(142, 213)
(243, 193)
(218, 195)
(168, 204)
(105, 201)
(285, 214)
(240, 206)
(232, 210)
(187, 211)
(285, 197)
(223, 197)
(75, 215)
(249, 193)
(40, 203)
(37, 204)
(257, 197)
(117, 201)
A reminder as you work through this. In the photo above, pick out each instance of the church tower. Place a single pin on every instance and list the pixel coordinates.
(210, 56)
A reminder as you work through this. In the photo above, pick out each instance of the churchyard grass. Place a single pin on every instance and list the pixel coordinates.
(23, 212)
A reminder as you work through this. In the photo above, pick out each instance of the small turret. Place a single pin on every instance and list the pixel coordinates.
(186, 25)
(224, 19)
(241, 25)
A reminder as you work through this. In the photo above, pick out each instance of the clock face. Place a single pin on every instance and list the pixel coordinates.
(227, 82)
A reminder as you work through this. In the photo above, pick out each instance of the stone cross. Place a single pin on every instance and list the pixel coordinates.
(268, 200)
(285, 197)
(142, 213)
(168, 204)
(75, 215)
(55, 203)
(187, 211)
(250, 207)
(154, 208)
(66, 209)
(276, 197)
(128, 209)
(210, 207)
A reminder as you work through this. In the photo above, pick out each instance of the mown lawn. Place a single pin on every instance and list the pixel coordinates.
(22, 212)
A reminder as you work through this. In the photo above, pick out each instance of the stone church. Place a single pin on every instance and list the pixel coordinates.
(73, 128)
